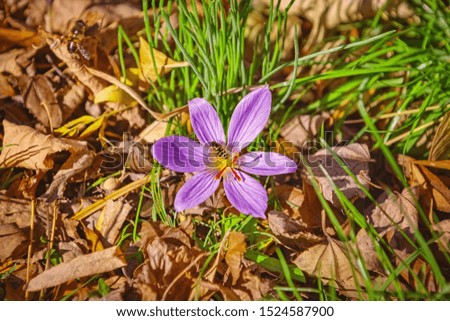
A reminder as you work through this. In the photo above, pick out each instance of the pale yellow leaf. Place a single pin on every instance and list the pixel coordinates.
(114, 94)
(154, 62)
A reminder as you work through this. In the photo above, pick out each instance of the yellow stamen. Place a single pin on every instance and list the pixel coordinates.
(222, 161)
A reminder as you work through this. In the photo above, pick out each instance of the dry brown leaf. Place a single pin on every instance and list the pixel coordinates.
(443, 228)
(18, 211)
(290, 233)
(302, 206)
(395, 211)
(15, 61)
(35, 13)
(356, 157)
(235, 253)
(23, 38)
(6, 90)
(440, 147)
(63, 12)
(326, 15)
(14, 211)
(71, 250)
(111, 219)
(252, 286)
(172, 264)
(227, 293)
(433, 190)
(27, 148)
(11, 239)
(329, 262)
(81, 266)
(71, 98)
(154, 131)
(367, 251)
(79, 161)
(291, 198)
(439, 190)
(301, 129)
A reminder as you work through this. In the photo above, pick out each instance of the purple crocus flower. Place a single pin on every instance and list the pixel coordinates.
(216, 158)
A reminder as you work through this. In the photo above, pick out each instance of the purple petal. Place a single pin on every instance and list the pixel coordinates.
(205, 122)
(247, 194)
(180, 154)
(196, 190)
(266, 163)
(249, 118)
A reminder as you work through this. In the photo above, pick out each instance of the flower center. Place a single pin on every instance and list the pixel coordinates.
(222, 160)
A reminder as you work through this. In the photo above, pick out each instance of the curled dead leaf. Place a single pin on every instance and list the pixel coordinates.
(23, 38)
(290, 233)
(27, 148)
(81, 266)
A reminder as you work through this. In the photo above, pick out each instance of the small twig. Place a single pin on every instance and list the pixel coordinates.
(30, 246)
(395, 114)
(406, 134)
(85, 212)
(50, 243)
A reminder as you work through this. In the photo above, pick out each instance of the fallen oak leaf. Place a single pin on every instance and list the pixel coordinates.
(81, 266)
